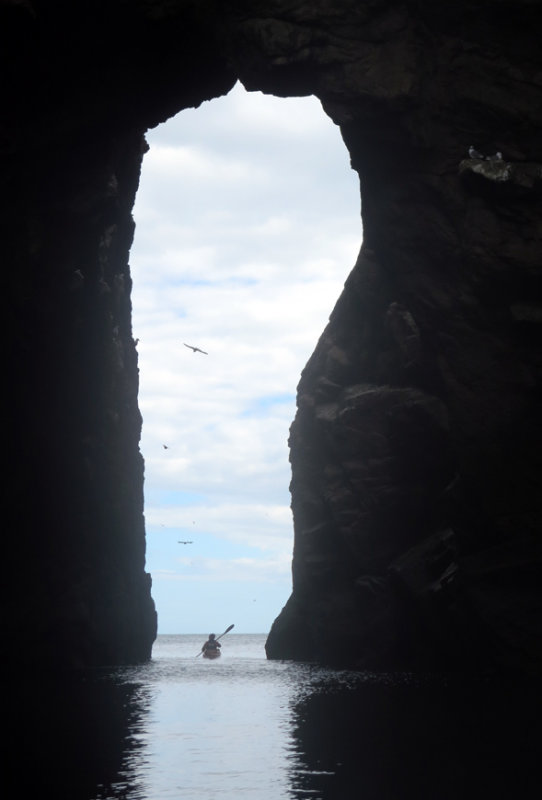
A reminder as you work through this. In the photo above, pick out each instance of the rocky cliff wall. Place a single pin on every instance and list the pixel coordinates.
(416, 442)
(84, 81)
(416, 445)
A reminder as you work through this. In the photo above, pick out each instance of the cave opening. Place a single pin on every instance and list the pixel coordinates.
(247, 225)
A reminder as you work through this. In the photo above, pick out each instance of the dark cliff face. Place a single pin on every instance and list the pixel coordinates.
(85, 82)
(416, 446)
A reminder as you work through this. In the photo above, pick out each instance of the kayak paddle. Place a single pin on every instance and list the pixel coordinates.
(217, 638)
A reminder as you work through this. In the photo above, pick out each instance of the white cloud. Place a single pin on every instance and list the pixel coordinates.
(186, 166)
(250, 570)
(247, 225)
(257, 526)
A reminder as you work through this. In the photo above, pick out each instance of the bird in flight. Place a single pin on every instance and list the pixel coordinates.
(165, 447)
(184, 542)
(195, 349)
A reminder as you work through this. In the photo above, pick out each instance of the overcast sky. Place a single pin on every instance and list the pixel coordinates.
(247, 225)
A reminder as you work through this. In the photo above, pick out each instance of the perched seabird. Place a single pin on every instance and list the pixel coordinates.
(195, 349)
(474, 153)
(496, 157)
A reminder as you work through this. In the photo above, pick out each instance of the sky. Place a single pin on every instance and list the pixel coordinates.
(247, 226)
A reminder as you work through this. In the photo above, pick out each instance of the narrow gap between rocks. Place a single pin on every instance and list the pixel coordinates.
(247, 225)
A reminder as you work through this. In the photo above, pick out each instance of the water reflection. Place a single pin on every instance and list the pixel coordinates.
(72, 737)
(396, 737)
(248, 728)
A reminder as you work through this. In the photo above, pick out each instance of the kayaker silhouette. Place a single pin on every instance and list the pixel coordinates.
(211, 648)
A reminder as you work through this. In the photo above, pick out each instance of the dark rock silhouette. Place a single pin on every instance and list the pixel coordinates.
(416, 445)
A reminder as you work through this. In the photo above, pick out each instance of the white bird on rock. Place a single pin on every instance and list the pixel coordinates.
(474, 153)
(496, 157)
(195, 349)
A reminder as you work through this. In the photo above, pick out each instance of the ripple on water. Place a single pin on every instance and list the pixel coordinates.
(244, 727)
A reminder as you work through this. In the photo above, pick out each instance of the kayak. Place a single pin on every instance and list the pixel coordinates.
(211, 653)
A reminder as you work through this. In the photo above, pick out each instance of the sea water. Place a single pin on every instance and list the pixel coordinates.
(185, 728)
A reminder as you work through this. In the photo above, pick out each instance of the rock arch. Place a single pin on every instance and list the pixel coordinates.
(415, 450)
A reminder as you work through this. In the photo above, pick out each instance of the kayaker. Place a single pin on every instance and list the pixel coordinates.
(211, 644)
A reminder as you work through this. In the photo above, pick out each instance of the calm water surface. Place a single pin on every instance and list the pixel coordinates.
(182, 727)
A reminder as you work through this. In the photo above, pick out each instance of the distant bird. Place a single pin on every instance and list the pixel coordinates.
(496, 157)
(474, 153)
(165, 447)
(185, 542)
(195, 349)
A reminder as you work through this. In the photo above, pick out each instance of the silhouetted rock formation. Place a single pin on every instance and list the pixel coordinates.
(81, 85)
(416, 446)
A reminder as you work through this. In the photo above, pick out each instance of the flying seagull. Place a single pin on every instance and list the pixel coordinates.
(165, 447)
(196, 349)
(185, 542)
(474, 153)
